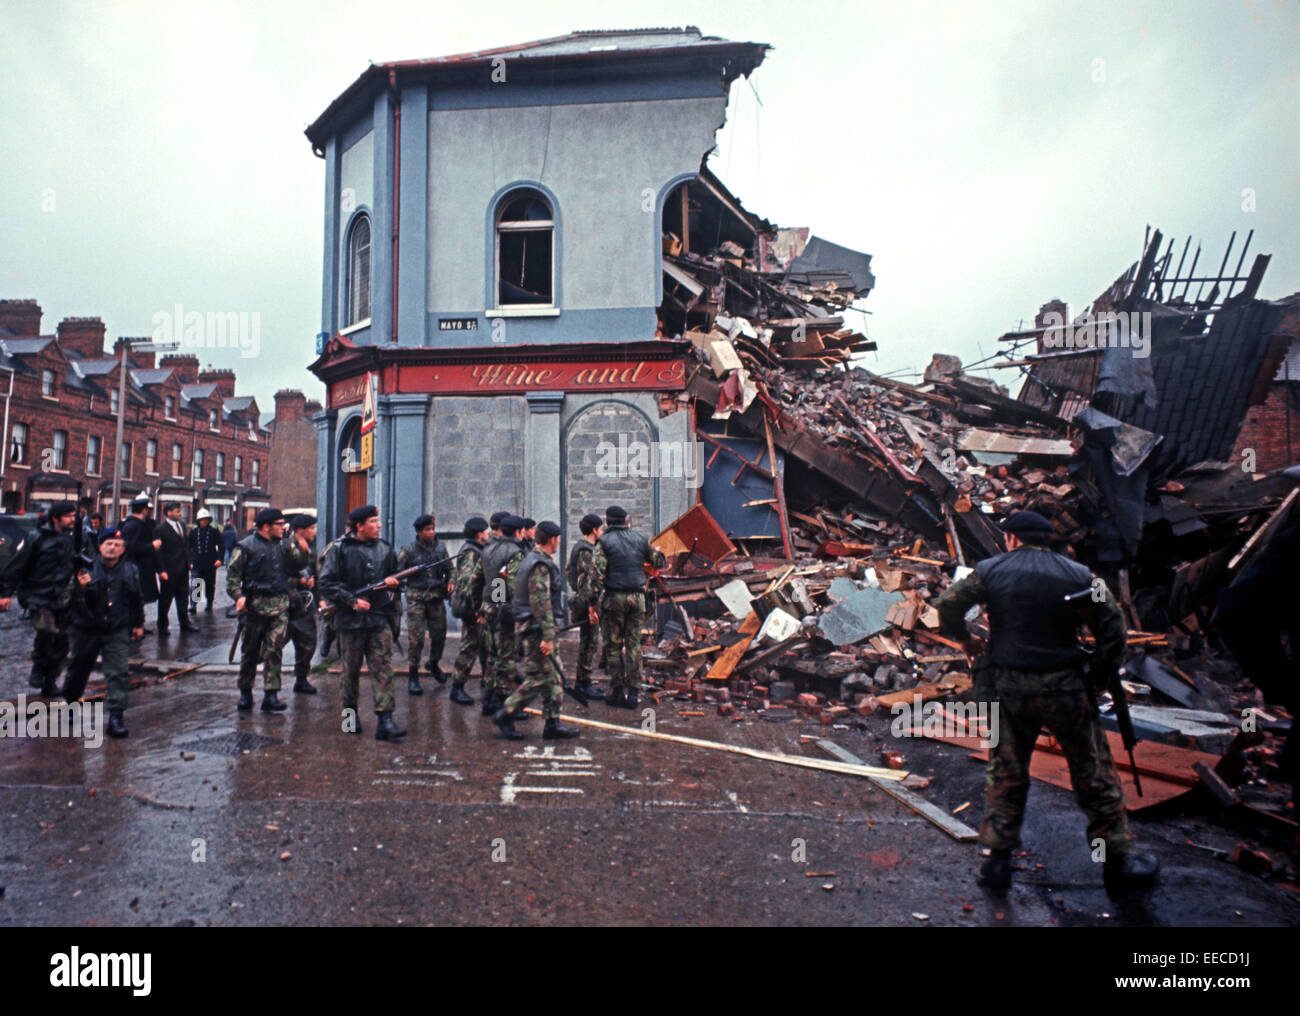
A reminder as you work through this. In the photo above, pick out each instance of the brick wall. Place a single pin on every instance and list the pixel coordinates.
(588, 485)
(291, 480)
(1272, 429)
(477, 448)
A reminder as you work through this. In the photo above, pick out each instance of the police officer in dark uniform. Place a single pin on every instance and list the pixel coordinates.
(1038, 677)
(41, 572)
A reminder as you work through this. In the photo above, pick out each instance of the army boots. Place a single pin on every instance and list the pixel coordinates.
(116, 728)
(459, 697)
(555, 731)
(995, 873)
(505, 723)
(245, 700)
(413, 680)
(1131, 870)
(386, 729)
(271, 703)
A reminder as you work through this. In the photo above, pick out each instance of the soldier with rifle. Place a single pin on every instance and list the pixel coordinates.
(426, 600)
(536, 605)
(620, 558)
(467, 606)
(500, 561)
(1035, 667)
(41, 573)
(359, 583)
(301, 546)
(259, 579)
(585, 585)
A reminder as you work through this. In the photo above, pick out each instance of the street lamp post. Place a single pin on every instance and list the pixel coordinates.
(143, 347)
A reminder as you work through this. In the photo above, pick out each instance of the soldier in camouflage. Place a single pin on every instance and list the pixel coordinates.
(426, 600)
(620, 558)
(584, 583)
(467, 606)
(365, 624)
(1035, 668)
(301, 545)
(500, 563)
(259, 579)
(41, 574)
(537, 605)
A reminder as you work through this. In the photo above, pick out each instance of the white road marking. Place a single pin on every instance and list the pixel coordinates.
(509, 791)
(731, 796)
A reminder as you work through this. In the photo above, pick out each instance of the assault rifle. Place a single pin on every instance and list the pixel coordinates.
(1107, 678)
(329, 609)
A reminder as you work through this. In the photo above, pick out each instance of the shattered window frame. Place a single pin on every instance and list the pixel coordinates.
(522, 226)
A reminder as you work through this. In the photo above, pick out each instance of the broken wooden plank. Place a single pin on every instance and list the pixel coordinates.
(726, 663)
(955, 828)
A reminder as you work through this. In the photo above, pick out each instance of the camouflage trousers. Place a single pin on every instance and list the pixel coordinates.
(472, 635)
(588, 646)
(541, 677)
(302, 633)
(502, 649)
(621, 614)
(50, 647)
(375, 647)
(264, 636)
(115, 649)
(1072, 720)
(425, 615)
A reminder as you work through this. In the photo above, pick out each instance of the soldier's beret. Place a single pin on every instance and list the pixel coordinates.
(589, 524)
(62, 508)
(303, 521)
(1026, 522)
(268, 515)
(475, 525)
(421, 521)
(358, 515)
(615, 514)
(498, 518)
(528, 523)
(111, 533)
(546, 531)
(511, 524)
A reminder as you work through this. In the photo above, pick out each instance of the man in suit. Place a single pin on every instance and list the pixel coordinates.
(141, 547)
(173, 562)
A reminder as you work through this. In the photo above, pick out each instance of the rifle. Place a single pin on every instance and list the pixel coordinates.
(579, 696)
(1108, 679)
(329, 609)
(239, 631)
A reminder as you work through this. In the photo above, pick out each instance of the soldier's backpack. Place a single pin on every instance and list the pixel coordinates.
(571, 569)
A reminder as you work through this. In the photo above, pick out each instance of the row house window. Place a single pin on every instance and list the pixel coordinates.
(126, 459)
(239, 469)
(113, 403)
(151, 456)
(212, 420)
(47, 383)
(198, 463)
(18, 444)
(93, 447)
(170, 407)
(178, 455)
(221, 467)
(253, 465)
(59, 450)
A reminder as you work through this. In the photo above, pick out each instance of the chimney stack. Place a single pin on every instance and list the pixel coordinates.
(22, 317)
(185, 365)
(223, 379)
(82, 338)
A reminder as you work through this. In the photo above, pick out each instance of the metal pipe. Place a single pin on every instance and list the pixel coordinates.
(121, 430)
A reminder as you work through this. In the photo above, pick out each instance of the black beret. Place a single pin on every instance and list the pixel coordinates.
(511, 524)
(61, 508)
(528, 523)
(498, 517)
(421, 521)
(475, 525)
(359, 515)
(615, 514)
(547, 530)
(589, 524)
(303, 521)
(1026, 522)
(268, 515)
(111, 533)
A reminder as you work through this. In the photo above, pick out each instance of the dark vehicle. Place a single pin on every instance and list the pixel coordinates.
(13, 530)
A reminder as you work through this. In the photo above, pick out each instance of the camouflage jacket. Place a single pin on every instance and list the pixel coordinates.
(469, 575)
(600, 564)
(540, 602)
(428, 584)
(583, 579)
(254, 578)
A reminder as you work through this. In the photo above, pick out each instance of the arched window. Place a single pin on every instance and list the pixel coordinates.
(358, 278)
(525, 250)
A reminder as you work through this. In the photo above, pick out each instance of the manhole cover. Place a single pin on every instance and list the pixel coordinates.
(232, 743)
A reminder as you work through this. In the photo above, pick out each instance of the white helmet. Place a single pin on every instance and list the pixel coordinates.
(203, 513)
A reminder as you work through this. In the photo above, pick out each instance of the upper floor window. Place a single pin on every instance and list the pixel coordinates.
(92, 455)
(525, 250)
(59, 450)
(151, 456)
(126, 459)
(178, 455)
(221, 467)
(358, 277)
(213, 423)
(113, 398)
(169, 410)
(198, 463)
(253, 468)
(239, 469)
(47, 383)
(18, 444)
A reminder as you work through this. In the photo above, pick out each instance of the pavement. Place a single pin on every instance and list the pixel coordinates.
(206, 816)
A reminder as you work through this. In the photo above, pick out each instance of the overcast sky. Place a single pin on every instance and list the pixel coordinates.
(990, 156)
